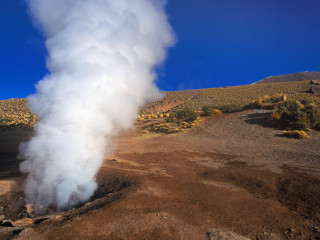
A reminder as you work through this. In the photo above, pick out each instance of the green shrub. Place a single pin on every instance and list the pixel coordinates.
(171, 117)
(210, 110)
(187, 113)
(292, 115)
(313, 115)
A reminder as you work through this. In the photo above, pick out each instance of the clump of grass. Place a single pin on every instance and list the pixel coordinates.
(267, 102)
(177, 121)
(210, 110)
(188, 114)
(295, 134)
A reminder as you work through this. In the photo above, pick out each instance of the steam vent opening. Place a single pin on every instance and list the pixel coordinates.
(16, 215)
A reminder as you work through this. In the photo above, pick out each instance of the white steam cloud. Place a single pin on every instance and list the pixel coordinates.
(101, 58)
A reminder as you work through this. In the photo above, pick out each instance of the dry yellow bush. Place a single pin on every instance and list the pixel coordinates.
(295, 134)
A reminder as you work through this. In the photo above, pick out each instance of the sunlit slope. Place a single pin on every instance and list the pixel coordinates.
(235, 97)
(14, 112)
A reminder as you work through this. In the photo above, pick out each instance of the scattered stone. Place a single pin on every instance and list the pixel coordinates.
(2, 217)
(314, 82)
(22, 222)
(1, 209)
(30, 208)
(315, 90)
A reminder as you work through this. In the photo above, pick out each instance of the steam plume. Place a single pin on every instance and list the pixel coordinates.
(101, 58)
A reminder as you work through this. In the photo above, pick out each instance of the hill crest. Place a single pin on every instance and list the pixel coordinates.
(301, 76)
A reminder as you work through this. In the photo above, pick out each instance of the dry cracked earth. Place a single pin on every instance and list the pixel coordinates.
(230, 177)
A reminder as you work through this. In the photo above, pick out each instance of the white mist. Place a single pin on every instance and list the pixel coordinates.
(101, 59)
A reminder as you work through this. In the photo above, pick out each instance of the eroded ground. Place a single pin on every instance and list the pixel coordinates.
(229, 177)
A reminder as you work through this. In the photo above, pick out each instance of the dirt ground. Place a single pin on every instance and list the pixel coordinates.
(230, 177)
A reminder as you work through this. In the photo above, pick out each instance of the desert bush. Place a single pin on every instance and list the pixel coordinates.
(292, 115)
(209, 110)
(313, 115)
(278, 98)
(295, 134)
(171, 118)
(267, 102)
(188, 113)
(257, 103)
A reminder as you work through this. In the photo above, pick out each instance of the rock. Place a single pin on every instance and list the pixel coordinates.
(58, 218)
(314, 82)
(315, 90)
(30, 208)
(22, 222)
(2, 217)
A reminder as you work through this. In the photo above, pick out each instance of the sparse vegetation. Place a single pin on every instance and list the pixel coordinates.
(15, 113)
(233, 99)
(267, 102)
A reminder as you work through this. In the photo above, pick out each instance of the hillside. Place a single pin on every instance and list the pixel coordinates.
(231, 98)
(14, 112)
(301, 76)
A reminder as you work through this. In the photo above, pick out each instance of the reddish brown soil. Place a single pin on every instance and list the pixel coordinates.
(230, 176)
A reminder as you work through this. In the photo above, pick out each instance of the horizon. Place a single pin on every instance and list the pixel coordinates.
(219, 44)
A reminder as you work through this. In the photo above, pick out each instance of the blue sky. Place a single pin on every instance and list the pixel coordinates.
(220, 43)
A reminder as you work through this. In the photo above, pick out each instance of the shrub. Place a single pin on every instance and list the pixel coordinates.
(295, 134)
(210, 110)
(187, 113)
(257, 103)
(278, 98)
(313, 115)
(293, 115)
(171, 117)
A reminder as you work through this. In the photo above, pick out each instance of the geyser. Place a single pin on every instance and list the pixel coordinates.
(101, 59)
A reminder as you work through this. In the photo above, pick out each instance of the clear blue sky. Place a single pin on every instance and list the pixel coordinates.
(220, 43)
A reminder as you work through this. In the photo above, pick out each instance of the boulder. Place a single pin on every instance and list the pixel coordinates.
(30, 208)
(22, 222)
